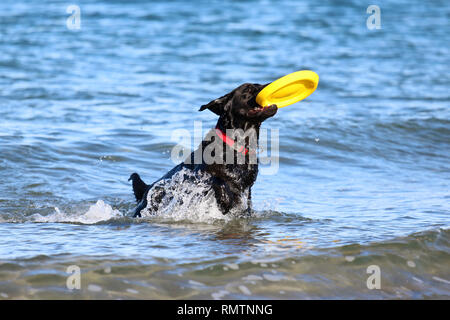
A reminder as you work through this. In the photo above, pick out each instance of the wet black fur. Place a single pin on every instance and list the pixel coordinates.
(236, 110)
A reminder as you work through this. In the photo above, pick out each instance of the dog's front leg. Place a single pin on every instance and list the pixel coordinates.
(225, 197)
(141, 205)
(249, 201)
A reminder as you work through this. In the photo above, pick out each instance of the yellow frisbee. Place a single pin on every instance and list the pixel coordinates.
(289, 89)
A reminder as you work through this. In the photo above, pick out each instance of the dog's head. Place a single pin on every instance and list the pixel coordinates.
(239, 106)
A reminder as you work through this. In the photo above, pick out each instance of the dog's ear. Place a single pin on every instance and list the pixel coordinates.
(218, 106)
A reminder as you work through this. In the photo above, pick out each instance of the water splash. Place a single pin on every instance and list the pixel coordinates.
(98, 212)
(188, 196)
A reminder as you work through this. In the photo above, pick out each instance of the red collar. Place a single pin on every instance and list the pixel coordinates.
(231, 142)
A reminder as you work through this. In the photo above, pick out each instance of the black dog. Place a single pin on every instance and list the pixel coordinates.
(228, 182)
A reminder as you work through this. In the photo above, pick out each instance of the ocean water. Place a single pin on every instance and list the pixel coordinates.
(363, 174)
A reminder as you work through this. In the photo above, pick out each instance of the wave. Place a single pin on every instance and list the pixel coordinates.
(411, 267)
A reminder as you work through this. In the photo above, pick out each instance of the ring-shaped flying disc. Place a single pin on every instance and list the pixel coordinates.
(289, 89)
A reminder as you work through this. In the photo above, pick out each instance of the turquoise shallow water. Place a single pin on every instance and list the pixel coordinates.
(363, 175)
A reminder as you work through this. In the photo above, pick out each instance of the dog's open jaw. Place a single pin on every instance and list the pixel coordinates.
(262, 112)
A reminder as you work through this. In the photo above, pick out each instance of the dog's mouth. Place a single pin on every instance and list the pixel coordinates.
(262, 112)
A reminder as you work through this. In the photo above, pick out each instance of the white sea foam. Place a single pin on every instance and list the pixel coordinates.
(94, 288)
(219, 295)
(98, 212)
(245, 290)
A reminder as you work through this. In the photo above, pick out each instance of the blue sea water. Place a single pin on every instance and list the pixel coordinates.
(363, 176)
